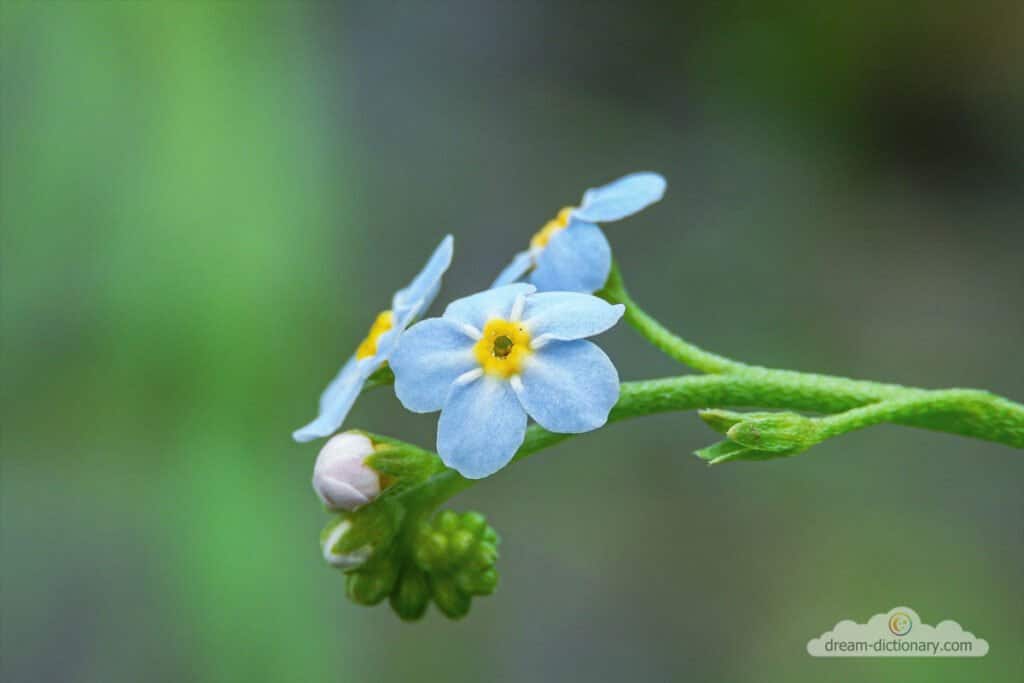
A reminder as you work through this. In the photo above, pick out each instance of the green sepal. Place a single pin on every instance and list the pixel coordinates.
(720, 420)
(402, 462)
(725, 451)
(382, 376)
(722, 451)
(329, 527)
(374, 525)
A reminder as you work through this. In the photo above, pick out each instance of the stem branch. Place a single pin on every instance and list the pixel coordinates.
(959, 411)
(848, 404)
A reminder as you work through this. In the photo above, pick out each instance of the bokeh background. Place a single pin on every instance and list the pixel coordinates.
(205, 203)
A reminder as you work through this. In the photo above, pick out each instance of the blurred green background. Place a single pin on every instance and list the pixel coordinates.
(205, 204)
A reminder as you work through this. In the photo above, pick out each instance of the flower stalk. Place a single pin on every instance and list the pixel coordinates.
(856, 404)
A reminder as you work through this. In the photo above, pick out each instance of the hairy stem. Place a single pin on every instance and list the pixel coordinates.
(969, 412)
(859, 404)
(848, 404)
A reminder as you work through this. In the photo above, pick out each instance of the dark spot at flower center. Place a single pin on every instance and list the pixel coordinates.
(502, 347)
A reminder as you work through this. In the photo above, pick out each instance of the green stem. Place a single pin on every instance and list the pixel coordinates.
(963, 411)
(850, 404)
(958, 411)
(672, 345)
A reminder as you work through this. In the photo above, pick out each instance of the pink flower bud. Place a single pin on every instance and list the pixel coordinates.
(341, 477)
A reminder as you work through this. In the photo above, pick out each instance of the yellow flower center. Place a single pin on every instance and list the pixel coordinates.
(556, 224)
(384, 322)
(502, 348)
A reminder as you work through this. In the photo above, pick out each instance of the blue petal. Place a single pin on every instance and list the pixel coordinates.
(406, 305)
(577, 259)
(568, 315)
(568, 387)
(412, 300)
(387, 341)
(482, 426)
(337, 399)
(429, 357)
(477, 309)
(521, 264)
(621, 198)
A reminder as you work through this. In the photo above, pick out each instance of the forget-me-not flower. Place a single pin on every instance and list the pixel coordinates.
(498, 356)
(570, 253)
(406, 305)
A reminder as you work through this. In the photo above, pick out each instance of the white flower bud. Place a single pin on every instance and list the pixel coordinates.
(343, 560)
(341, 477)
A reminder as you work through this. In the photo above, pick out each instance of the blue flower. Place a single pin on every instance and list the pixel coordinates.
(570, 253)
(406, 305)
(495, 358)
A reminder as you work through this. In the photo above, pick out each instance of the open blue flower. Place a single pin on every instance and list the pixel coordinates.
(406, 305)
(495, 358)
(570, 253)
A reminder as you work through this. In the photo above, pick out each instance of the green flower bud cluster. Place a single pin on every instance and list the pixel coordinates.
(449, 559)
(758, 436)
(455, 556)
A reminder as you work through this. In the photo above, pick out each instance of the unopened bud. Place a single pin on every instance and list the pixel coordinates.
(412, 594)
(329, 540)
(457, 553)
(783, 433)
(477, 582)
(341, 477)
(372, 583)
(449, 599)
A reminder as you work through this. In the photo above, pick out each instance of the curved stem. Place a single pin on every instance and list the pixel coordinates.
(971, 413)
(672, 345)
